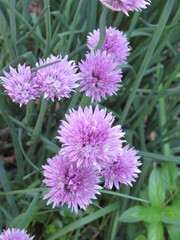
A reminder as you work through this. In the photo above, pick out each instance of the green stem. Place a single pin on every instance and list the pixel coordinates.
(102, 27)
(48, 28)
(85, 101)
(28, 112)
(75, 21)
(38, 128)
(13, 24)
(133, 24)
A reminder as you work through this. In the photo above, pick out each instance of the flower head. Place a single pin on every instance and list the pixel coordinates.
(99, 76)
(116, 44)
(15, 234)
(69, 184)
(123, 169)
(88, 138)
(20, 84)
(126, 5)
(57, 80)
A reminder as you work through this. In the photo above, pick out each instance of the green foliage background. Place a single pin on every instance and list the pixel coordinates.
(147, 107)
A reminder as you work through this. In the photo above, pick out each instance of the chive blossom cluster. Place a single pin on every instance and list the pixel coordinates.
(56, 80)
(100, 72)
(126, 5)
(92, 151)
(15, 234)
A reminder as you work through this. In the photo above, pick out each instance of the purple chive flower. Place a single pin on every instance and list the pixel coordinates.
(99, 75)
(59, 79)
(126, 5)
(20, 84)
(69, 184)
(15, 234)
(88, 138)
(116, 44)
(123, 169)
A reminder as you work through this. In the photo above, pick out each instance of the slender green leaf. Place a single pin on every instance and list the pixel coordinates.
(124, 195)
(26, 218)
(6, 188)
(85, 220)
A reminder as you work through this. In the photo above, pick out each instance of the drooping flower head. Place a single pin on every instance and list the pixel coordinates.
(99, 75)
(126, 5)
(123, 169)
(15, 234)
(20, 84)
(88, 137)
(57, 80)
(116, 44)
(69, 184)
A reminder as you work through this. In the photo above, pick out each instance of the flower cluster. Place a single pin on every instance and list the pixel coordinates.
(92, 149)
(100, 74)
(70, 184)
(126, 5)
(56, 80)
(15, 234)
(20, 85)
(115, 44)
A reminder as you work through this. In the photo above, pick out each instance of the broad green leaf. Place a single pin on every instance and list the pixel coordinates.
(174, 232)
(176, 201)
(141, 237)
(171, 215)
(131, 215)
(169, 175)
(149, 214)
(155, 231)
(156, 188)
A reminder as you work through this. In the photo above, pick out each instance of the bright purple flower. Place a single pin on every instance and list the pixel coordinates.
(126, 5)
(123, 169)
(88, 138)
(15, 234)
(59, 79)
(99, 75)
(116, 44)
(20, 85)
(69, 184)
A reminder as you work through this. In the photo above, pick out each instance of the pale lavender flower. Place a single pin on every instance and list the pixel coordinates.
(88, 137)
(15, 234)
(123, 169)
(126, 5)
(99, 75)
(20, 84)
(59, 79)
(69, 184)
(116, 44)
